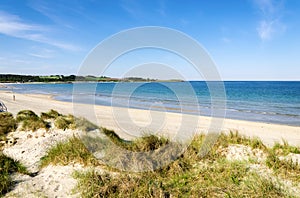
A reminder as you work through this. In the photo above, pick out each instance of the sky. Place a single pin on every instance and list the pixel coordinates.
(247, 39)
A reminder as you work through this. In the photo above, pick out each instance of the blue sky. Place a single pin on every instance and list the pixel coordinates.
(247, 39)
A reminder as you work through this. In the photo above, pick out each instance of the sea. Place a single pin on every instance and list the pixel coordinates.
(262, 101)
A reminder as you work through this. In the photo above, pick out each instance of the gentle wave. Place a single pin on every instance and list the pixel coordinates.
(277, 102)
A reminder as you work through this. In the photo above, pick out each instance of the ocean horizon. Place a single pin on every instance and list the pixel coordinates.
(262, 101)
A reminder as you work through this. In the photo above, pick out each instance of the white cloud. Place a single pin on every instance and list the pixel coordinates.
(14, 26)
(270, 24)
(226, 40)
(42, 53)
(265, 30)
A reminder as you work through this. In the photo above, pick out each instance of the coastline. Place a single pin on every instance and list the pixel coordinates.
(268, 133)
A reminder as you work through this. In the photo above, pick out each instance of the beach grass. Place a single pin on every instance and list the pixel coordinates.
(71, 151)
(65, 122)
(29, 121)
(284, 167)
(187, 176)
(7, 123)
(8, 166)
(52, 114)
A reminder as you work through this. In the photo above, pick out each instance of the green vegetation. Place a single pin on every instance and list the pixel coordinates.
(285, 168)
(284, 149)
(27, 120)
(30, 121)
(8, 78)
(7, 167)
(236, 138)
(69, 152)
(65, 122)
(7, 123)
(187, 176)
(52, 114)
(29, 78)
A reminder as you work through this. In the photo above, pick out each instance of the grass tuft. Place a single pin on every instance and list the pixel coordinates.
(30, 121)
(223, 179)
(285, 149)
(65, 122)
(7, 123)
(7, 167)
(285, 168)
(71, 151)
(188, 175)
(52, 114)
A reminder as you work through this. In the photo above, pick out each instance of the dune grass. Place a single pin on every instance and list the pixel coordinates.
(71, 151)
(29, 121)
(7, 123)
(52, 114)
(284, 148)
(7, 167)
(285, 168)
(187, 176)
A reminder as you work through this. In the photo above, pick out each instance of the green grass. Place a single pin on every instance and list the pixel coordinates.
(7, 123)
(52, 114)
(29, 121)
(65, 122)
(7, 167)
(284, 149)
(220, 179)
(283, 168)
(187, 176)
(235, 138)
(71, 151)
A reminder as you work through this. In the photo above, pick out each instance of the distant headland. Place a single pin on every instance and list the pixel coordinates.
(15, 78)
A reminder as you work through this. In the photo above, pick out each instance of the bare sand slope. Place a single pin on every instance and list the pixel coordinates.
(129, 123)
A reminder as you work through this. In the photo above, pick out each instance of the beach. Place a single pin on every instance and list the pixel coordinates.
(141, 122)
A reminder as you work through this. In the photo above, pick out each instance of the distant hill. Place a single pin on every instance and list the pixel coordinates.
(15, 78)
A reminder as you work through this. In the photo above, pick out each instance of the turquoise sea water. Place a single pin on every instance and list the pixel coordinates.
(274, 102)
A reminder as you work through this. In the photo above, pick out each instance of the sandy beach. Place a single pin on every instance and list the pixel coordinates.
(130, 123)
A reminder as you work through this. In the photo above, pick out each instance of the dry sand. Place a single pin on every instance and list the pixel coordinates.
(130, 123)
